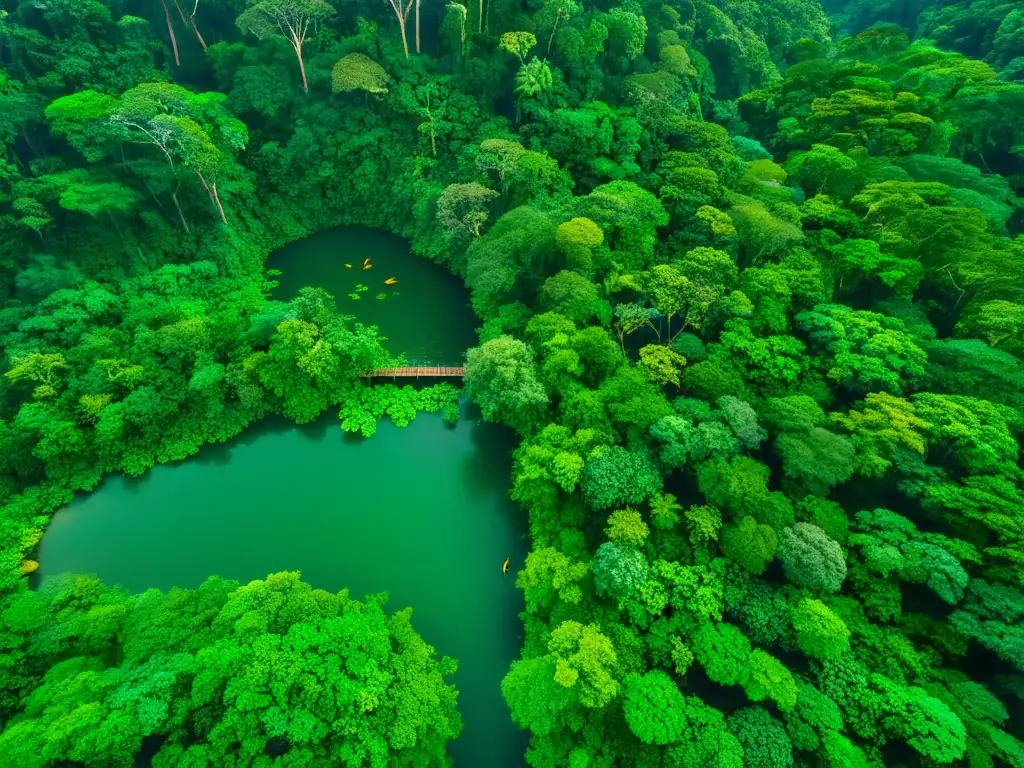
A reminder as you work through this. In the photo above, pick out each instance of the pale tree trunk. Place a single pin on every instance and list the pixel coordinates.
(195, 29)
(480, 21)
(554, 29)
(296, 33)
(302, 64)
(214, 197)
(170, 29)
(155, 141)
(417, 26)
(403, 14)
(220, 208)
(184, 223)
(191, 21)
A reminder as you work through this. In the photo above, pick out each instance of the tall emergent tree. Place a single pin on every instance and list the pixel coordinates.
(401, 9)
(192, 132)
(291, 19)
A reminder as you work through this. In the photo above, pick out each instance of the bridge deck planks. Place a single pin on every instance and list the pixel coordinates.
(417, 372)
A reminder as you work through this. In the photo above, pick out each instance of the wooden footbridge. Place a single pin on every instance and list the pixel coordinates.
(419, 372)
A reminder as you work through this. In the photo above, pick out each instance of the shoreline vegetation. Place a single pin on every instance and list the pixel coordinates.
(750, 283)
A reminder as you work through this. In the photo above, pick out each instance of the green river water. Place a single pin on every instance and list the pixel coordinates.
(421, 512)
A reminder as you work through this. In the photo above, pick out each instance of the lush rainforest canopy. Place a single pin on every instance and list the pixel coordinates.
(750, 281)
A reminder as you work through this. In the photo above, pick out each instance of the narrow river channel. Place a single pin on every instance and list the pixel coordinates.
(421, 512)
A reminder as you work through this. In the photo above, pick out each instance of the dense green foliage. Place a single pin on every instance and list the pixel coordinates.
(752, 297)
(222, 673)
(992, 30)
(365, 406)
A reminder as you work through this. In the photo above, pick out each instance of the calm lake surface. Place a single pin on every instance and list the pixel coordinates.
(426, 314)
(421, 512)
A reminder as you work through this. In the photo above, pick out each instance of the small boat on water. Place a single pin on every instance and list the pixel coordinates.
(504, 566)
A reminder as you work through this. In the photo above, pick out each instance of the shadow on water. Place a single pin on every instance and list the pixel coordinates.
(491, 455)
(133, 484)
(219, 454)
(351, 438)
(318, 429)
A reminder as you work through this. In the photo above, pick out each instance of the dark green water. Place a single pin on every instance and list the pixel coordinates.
(426, 314)
(420, 512)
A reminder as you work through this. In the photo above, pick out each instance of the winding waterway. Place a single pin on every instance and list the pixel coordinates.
(420, 512)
